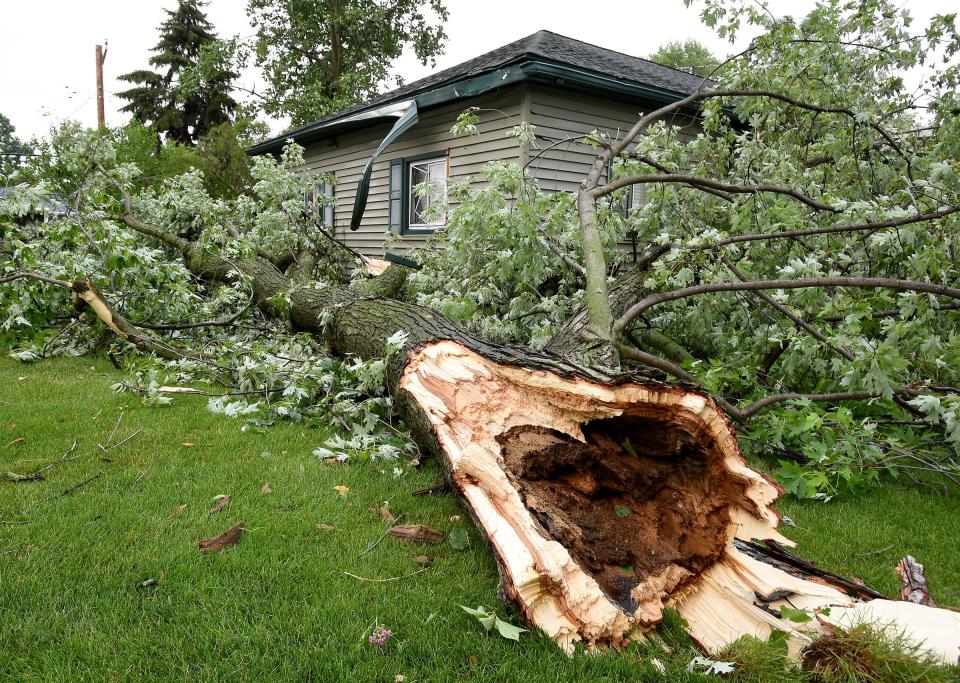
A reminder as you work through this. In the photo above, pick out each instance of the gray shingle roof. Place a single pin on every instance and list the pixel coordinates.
(547, 46)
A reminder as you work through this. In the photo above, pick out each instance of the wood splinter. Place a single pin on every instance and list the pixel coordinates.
(416, 533)
(913, 583)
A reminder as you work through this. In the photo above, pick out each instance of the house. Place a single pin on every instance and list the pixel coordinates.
(378, 151)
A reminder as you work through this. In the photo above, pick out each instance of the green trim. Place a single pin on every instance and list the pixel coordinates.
(590, 81)
(404, 123)
(405, 228)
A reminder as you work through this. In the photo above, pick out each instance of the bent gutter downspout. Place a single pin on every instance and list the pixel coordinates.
(408, 118)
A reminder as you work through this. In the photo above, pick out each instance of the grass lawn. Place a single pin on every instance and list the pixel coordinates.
(279, 605)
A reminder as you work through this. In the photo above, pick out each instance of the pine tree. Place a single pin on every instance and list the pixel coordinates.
(185, 95)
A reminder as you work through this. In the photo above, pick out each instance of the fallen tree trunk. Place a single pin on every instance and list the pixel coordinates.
(605, 499)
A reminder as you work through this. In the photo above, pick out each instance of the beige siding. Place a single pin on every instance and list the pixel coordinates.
(559, 115)
(346, 155)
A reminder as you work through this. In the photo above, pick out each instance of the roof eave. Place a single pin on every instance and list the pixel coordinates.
(531, 68)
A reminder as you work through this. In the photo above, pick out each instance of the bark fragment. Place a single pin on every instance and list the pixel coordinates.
(913, 584)
(416, 533)
(224, 540)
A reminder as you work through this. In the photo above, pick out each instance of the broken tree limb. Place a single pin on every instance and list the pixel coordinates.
(913, 584)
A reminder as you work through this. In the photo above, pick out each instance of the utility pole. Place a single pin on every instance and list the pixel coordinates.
(101, 119)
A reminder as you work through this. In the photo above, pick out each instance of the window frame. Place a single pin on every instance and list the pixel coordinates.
(633, 192)
(406, 228)
(324, 184)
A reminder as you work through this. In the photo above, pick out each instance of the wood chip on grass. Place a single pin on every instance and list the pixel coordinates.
(223, 501)
(416, 533)
(224, 540)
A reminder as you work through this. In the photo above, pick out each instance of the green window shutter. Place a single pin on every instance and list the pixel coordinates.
(396, 195)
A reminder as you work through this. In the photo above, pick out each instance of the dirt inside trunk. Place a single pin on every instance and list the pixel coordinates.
(643, 505)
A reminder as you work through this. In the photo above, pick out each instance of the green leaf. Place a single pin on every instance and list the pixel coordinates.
(621, 510)
(479, 612)
(798, 616)
(628, 447)
(508, 630)
(489, 620)
(459, 539)
(485, 618)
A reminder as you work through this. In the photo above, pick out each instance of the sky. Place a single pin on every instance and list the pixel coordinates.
(47, 46)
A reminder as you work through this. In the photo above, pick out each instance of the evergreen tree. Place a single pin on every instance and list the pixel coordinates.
(188, 92)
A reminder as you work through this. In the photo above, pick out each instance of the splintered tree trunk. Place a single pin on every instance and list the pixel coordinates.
(604, 499)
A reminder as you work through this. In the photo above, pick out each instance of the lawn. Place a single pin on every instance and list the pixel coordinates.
(281, 605)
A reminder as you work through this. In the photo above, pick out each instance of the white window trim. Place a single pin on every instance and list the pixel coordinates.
(411, 195)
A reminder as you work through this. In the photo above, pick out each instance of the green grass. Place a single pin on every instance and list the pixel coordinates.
(278, 605)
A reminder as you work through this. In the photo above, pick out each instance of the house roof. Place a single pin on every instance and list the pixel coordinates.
(544, 47)
(52, 206)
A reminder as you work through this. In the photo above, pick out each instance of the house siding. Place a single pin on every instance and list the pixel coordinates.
(559, 115)
(346, 155)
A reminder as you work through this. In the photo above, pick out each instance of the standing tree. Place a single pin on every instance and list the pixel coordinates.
(12, 149)
(318, 57)
(690, 56)
(814, 221)
(189, 92)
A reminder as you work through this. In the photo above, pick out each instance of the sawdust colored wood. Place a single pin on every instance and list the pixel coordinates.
(605, 503)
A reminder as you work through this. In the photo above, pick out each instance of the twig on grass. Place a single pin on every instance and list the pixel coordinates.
(382, 536)
(392, 578)
(37, 475)
(117, 445)
(143, 474)
(67, 492)
(875, 552)
(115, 427)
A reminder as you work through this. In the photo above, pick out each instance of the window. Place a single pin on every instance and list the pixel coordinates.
(418, 194)
(427, 193)
(629, 198)
(636, 197)
(319, 201)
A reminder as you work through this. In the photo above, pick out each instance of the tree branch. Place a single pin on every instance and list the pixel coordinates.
(29, 274)
(833, 229)
(787, 313)
(555, 248)
(801, 283)
(708, 183)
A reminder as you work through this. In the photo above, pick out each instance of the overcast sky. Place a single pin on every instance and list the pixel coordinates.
(47, 46)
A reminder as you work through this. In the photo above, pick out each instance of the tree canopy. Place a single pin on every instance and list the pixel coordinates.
(688, 55)
(12, 149)
(189, 91)
(318, 57)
